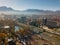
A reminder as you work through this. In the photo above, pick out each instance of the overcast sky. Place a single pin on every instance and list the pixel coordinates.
(31, 4)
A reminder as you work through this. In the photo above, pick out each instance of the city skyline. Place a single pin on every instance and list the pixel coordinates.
(32, 4)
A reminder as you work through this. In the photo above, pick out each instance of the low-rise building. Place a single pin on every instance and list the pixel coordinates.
(53, 24)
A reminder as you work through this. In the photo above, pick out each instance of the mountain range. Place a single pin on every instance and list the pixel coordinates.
(4, 8)
(7, 9)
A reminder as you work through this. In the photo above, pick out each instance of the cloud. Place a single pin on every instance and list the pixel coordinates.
(9, 3)
(5, 2)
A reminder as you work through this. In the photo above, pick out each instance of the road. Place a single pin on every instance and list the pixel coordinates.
(45, 37)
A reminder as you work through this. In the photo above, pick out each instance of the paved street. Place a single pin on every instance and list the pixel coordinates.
(44, 37)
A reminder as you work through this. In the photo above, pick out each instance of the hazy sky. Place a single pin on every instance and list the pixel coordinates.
(32, 4)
